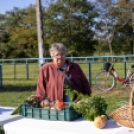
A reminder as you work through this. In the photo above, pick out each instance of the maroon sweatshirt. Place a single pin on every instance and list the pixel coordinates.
(51, 80)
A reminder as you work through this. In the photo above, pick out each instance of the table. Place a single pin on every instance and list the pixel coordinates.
(5, 115)
(79, 126)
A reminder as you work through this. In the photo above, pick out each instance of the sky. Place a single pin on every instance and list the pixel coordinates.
(7, 5)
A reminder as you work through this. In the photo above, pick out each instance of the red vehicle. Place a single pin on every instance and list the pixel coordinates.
(105, 80)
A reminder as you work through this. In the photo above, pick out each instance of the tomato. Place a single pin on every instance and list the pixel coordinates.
(60, 104)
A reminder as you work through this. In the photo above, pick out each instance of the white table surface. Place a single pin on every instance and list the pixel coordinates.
(5, 115)
(79, 126)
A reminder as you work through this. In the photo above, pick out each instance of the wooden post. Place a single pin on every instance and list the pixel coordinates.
(40, 35)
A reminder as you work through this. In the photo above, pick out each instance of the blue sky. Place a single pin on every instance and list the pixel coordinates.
(7, 5)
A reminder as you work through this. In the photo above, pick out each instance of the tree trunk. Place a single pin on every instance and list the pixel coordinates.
(110, 48)
(109, 41)
(40, 35)
(132, 49)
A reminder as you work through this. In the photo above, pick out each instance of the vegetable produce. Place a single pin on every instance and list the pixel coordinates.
(45, 103)
(104, 117)
(100, 122)
(32, 101)
(59, 104)
(89, 107)
(52, 105)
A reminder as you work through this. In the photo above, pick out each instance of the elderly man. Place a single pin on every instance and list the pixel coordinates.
(51, 79)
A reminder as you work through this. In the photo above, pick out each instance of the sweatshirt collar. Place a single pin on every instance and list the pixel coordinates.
(67, 62)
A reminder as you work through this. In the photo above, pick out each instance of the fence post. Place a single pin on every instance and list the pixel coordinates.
(3, 62)
(44, 61)
(72, 59)
(27, 69)
(14, 69)
(85, 60)
(125, 68)
(93, 60)
(90, 79)
(107, 59)
(1, 75)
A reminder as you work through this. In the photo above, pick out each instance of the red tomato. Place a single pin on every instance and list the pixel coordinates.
(60, 104)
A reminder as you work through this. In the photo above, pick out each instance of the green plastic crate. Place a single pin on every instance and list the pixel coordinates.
(65, 114)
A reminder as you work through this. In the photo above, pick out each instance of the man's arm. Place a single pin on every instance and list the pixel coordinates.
(41, 86)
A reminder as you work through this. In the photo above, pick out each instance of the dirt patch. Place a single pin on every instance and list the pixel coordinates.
(117, 91)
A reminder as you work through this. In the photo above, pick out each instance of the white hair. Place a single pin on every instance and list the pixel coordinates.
(57, 46)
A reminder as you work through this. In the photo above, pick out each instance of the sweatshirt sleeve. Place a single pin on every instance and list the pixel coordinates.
(41, 85)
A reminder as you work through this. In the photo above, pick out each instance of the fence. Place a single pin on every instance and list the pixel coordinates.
(123, 58)
(29, 68)
(0, 76)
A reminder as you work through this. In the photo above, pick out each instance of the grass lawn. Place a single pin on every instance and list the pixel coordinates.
(17, 88)
(1, 130)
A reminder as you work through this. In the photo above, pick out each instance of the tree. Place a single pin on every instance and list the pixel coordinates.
(4, 37)
(105, 26)
(20, 25)
(71, 22)
(124, 25)
(115, 21)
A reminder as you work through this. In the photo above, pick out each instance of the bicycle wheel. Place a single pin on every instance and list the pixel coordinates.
(131, 79)
(104, 82)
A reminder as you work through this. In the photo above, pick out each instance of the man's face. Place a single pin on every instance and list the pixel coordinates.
(59, 58)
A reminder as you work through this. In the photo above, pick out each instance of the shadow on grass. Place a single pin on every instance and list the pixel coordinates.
(20, 88)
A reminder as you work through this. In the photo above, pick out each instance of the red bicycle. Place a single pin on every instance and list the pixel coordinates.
(105, 80)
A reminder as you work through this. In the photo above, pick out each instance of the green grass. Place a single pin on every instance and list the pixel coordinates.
(15, 89)
(115, 102)
(2, 130)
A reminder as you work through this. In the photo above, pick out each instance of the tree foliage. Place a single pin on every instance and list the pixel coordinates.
(124, 27)
(115, 25)
(19, 29)
(71, 23)
(84, 27)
